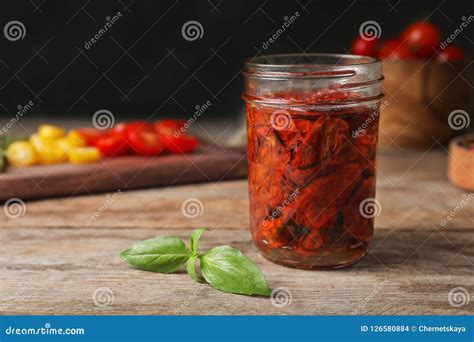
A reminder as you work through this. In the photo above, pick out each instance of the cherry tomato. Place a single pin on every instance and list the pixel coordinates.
(168, 126)
(84, 155)
(421, 38)
(114, 145)
(181, 143)
(21, 153)
(146, 141)
(91, 135)
(394, 49)
(125, 127)
(451, 53)
(47, 151)
(50, 132)
(361, 46)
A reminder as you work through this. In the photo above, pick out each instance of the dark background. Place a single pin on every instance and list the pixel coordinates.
(142, 67)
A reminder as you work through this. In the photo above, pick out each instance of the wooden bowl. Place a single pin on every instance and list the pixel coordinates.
(461, 162)
(420, 95)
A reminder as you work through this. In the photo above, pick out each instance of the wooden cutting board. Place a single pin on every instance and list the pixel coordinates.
(209, 163)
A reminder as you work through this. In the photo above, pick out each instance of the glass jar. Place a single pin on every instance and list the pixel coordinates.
(312, 125)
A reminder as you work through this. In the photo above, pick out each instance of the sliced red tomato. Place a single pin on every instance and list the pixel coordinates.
(125, 127)
(168, 126)
(181, 144)
(91, 135)
(361, 46)
(146, 141)
(421, 38)
(114, 145)
(451, 53)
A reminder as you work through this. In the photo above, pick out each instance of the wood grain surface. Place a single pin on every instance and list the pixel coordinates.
(55, 257)
(210, 163)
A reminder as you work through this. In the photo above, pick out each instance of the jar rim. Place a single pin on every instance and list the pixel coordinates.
(318, 61)
(357, 75)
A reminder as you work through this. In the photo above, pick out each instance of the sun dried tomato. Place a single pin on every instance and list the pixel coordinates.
(307, 177)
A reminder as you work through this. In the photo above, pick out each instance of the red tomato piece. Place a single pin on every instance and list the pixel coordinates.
(115, 145)
(119, 128)
(451, 53)
(91, 135)
(361, 46)
(145, 141)
(168, 126)
(125, 127)
(181, 143)
(394, 49)
(421, 38)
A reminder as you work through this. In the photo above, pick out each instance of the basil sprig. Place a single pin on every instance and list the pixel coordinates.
(225, 268)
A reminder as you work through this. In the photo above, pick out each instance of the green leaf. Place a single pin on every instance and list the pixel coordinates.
(164, 254)
(228, 270)
(190, 267)
(3, 148)
(194, 240)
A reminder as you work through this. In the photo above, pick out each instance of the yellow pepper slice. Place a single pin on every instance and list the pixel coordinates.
(46, 150)
(50, 132)
(21, 153)
(84, 155)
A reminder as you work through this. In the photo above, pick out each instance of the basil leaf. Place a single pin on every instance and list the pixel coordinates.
(228, 270)
(194, 240)
(191, 269)
(164, 254)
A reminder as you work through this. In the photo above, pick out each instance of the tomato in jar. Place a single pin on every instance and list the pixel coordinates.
(311, 159)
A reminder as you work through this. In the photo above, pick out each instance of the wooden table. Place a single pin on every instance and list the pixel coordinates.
(55, 257)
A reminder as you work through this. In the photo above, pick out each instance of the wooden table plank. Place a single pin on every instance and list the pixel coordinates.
(62, 277)
(54, 257)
